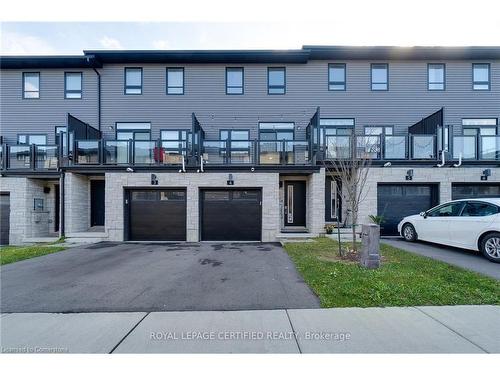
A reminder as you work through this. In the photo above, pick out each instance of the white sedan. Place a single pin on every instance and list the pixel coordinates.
(472, 224)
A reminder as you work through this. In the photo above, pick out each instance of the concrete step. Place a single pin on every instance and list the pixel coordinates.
(86, 237)
(32, 240)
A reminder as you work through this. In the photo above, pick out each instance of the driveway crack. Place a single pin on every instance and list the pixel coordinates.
(294, 332)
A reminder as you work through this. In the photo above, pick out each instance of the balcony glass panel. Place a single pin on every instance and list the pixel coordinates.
(116, 152)
(395, 147)
(270, 152)
(423, 147)
(241, 152)
(19, 157)
(338, 146)
(297, 152)
(214, 152)
(465, 146)
(146, 152)
(490, 147)
(46, 157)
(172, 152)
(87, 152)
(368, 147)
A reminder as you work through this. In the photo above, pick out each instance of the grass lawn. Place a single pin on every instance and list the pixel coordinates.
(404, 279)
(11, 254)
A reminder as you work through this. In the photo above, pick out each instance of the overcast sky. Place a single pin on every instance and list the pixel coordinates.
(24, 38)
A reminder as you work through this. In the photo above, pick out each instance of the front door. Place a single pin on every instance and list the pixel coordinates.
(295, 203)
(97, 203)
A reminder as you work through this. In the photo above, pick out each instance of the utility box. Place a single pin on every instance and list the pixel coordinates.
(370, 251)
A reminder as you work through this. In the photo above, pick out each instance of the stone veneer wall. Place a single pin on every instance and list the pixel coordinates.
(269, 182)
(24, 222)
(442, 176)
(77, 203)
(316, 202)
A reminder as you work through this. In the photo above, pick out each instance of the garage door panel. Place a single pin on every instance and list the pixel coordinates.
(395, 201)
(4, 219)
(231, 215)
(464, 191)
(157, 215)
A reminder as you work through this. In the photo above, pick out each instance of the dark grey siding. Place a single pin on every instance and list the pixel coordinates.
(20, 115)
(406, 102)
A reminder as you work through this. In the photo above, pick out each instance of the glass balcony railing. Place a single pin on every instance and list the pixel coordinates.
(214, 152)
(19, 157)
(145, 152)
(270, 152)
(490, 147)
(465, 147)
(296, 152)
(395, 147)
(87, 152)
(337, 146)
(116, 152)
(368, 147)
(423, 147)
(46, 157)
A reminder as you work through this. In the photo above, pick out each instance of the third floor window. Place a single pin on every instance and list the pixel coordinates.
(73, 85)
(380, 77)
(175, 81)
(336, 77)
(276, 81)
(31, 85)
(234, 81)
(133, 81)
(435, 76)
(481, 76)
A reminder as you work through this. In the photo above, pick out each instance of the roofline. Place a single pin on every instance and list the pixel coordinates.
(39, 62)
(96, 58)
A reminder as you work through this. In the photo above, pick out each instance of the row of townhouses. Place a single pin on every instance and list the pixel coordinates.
(238, 145)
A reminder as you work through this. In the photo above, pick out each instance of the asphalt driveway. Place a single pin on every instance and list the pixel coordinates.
(471, 260)
(156, 277)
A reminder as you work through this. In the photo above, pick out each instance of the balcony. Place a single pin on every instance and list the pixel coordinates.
(410, 148)
(29, 157)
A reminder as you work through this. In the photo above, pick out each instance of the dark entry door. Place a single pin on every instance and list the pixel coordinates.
(57, 208)
(4, 218)
(295, 203)
(231, 215)
(395, 201)
(96, 202)
(156, 215)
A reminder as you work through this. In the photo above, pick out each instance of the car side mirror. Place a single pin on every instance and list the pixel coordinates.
(423, 214)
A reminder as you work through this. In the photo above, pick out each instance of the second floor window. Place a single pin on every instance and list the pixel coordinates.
(73, 85)
(133, 81)
(435, 76)
(380, 77)
(31, 85)
(31, 139)
(234, 81)
(481, 76)
(336, 77)
(276, 81)
(175, 81)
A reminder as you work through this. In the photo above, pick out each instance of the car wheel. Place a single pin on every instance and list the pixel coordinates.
(409, 233)
(490, 247)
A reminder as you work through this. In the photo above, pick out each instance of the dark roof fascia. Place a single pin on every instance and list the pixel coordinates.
(203, 56)
(49, 62)
(402, 53)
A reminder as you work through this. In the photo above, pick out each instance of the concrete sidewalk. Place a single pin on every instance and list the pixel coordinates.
(443, 329)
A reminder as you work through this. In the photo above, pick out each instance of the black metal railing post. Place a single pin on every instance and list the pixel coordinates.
(32, 156)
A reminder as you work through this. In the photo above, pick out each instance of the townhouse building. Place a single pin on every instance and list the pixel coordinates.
(239, 145)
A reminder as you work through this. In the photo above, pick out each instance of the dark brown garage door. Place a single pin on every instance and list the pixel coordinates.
(4, 218)
(156, 215)
(465, 191)
(231, 215)
(395, 201)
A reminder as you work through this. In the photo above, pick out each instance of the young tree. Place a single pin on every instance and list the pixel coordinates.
(348, 159)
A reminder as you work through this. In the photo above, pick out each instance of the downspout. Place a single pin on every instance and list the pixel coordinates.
(98, 98)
